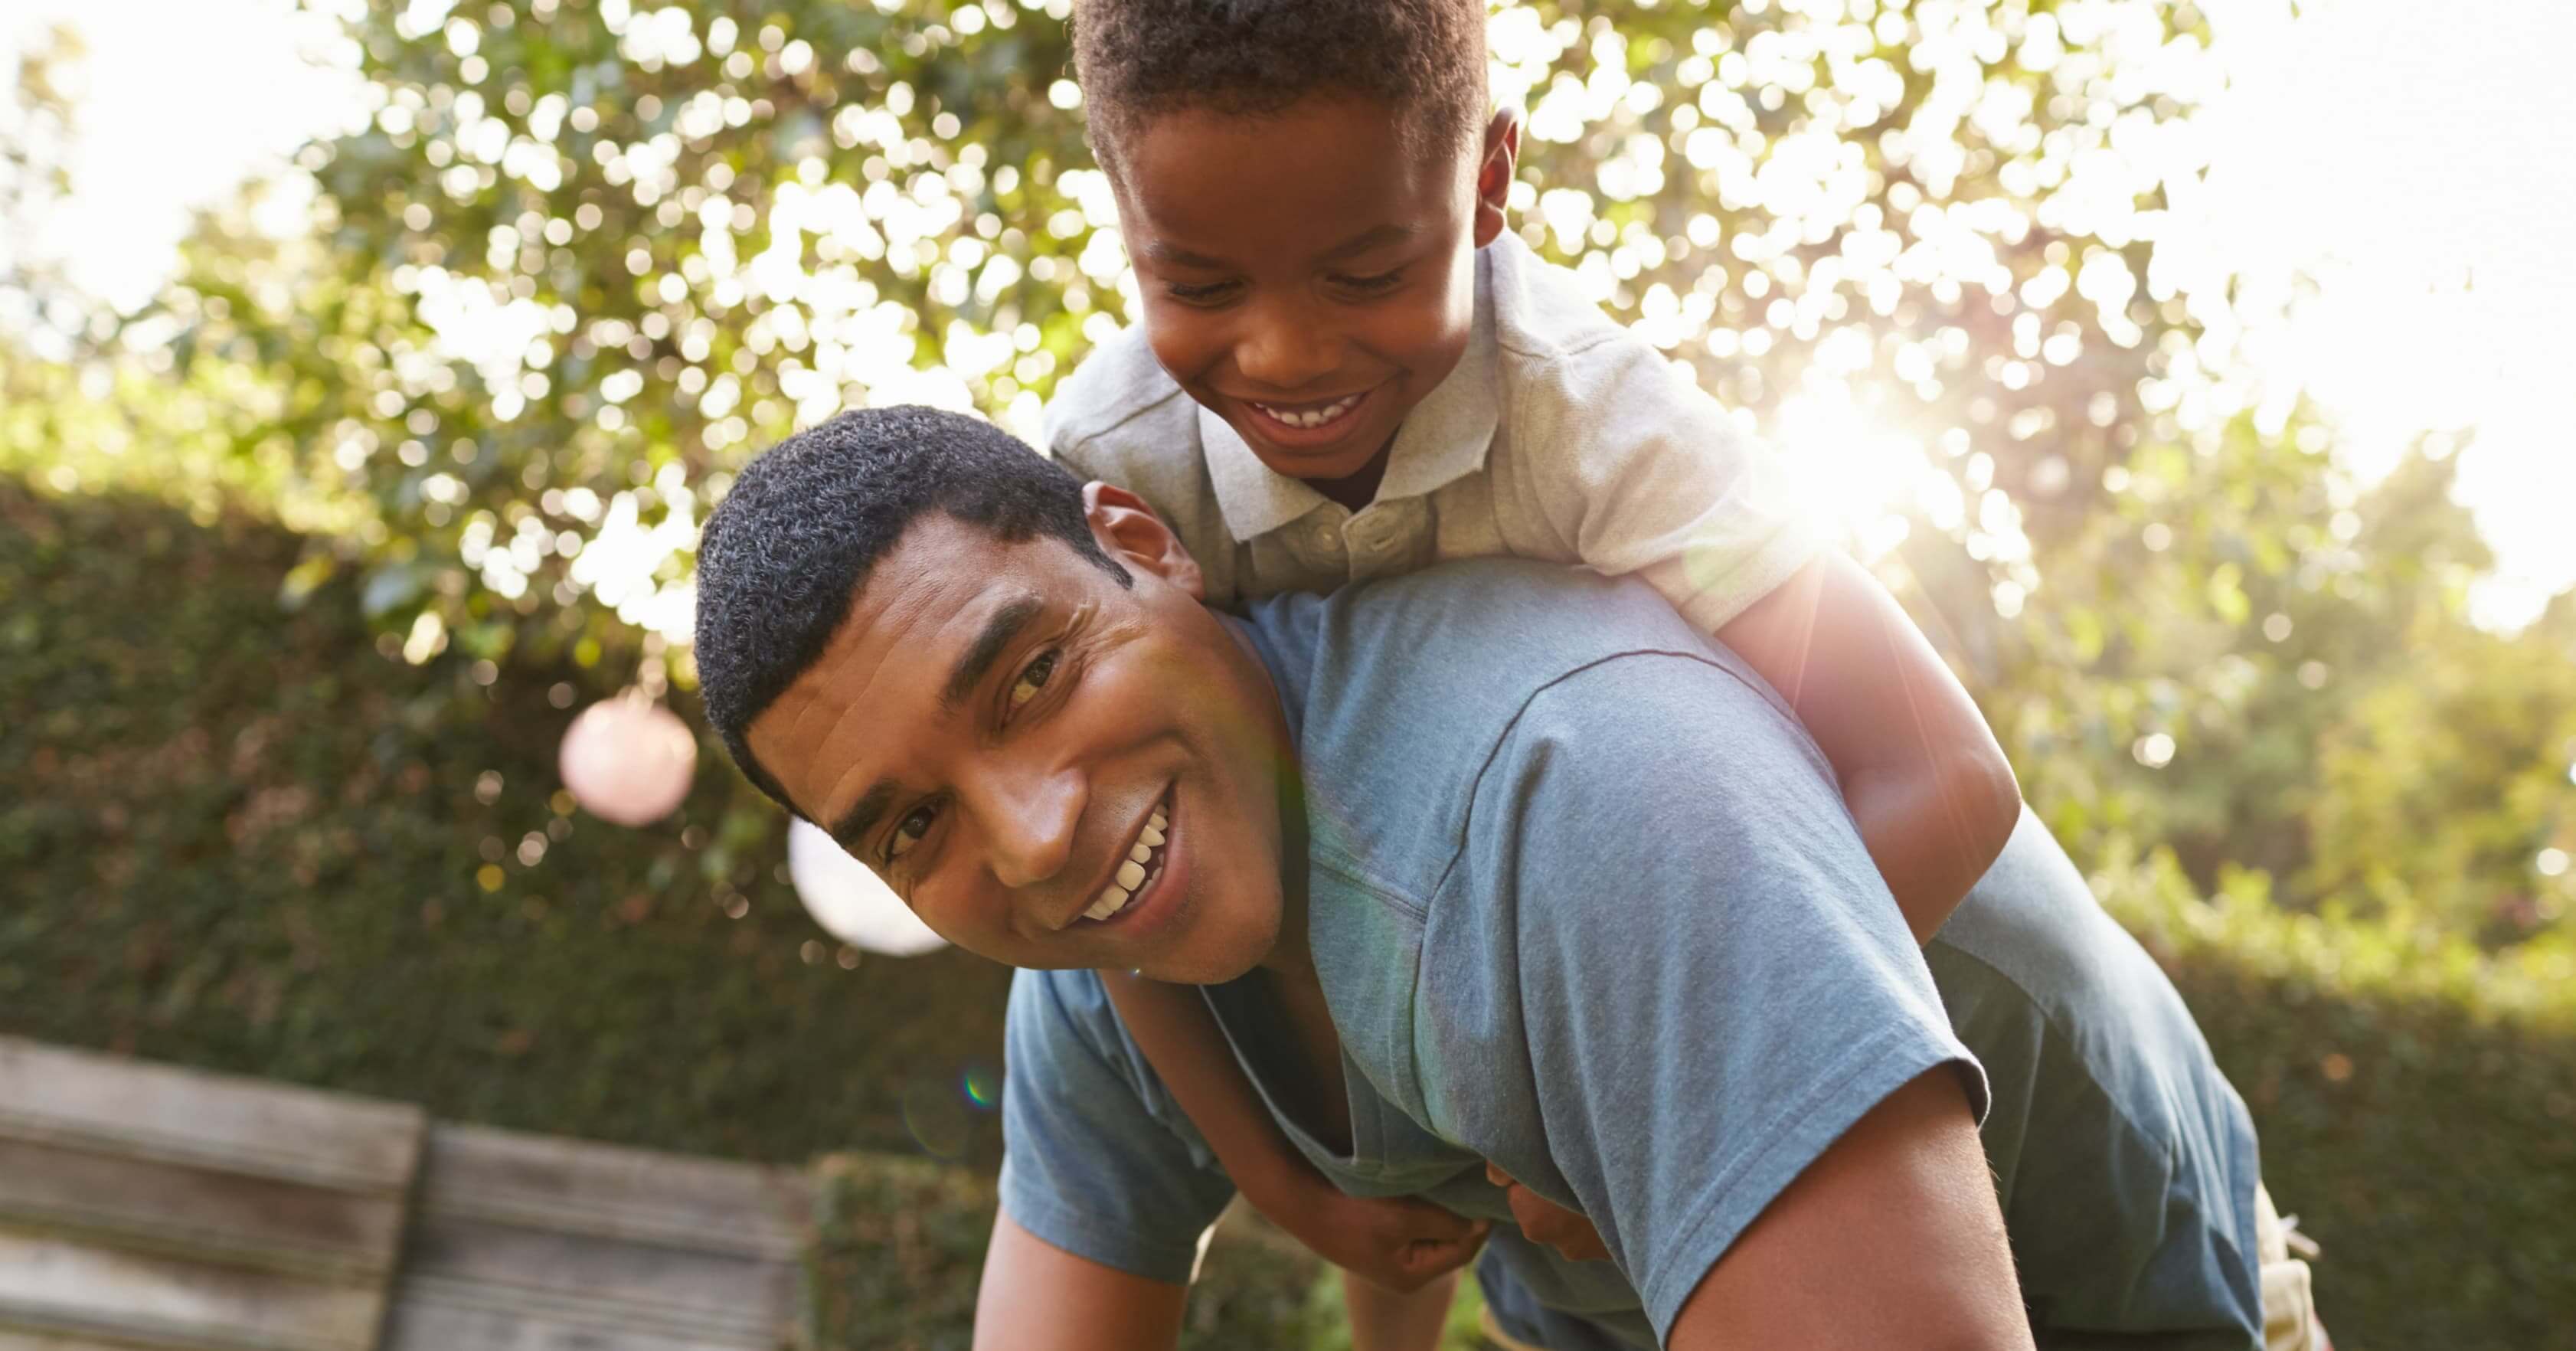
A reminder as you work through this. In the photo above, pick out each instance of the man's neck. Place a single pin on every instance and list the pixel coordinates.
(1291, 958)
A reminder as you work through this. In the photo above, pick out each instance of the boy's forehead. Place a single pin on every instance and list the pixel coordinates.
(1320, 170)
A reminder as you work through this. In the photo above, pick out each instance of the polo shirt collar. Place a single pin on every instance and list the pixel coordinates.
(1443, 439)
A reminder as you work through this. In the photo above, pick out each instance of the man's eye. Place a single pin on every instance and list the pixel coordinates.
(908, 831)
(1033, 679)
(1383, 281)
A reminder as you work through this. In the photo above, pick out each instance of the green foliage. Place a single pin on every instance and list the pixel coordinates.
(2415, 1097)
(900, 1247)
(583, 259)
(250, 841)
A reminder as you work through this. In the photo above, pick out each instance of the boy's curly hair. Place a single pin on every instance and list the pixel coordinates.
(1138, 59)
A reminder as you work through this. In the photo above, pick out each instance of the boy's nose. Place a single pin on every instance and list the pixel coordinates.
(1283, 349)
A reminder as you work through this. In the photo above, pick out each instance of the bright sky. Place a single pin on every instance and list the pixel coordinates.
(2414, 165)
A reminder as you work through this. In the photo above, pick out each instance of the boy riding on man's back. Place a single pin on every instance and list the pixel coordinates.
(1347, 367)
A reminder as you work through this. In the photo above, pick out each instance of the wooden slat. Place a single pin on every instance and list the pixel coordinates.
(608, 1191)
(77, 1290)
(149, 1206)
(53, 1096)
(531, 1243)
(175, 1209)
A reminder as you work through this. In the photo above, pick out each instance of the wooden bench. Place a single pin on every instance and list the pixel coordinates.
(150, 1206)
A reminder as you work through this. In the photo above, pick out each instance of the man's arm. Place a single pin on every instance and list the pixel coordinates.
(1891, 1238)
(1038, 1297)
(1926, 783)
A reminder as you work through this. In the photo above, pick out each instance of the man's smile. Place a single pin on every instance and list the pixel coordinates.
(1139, 869)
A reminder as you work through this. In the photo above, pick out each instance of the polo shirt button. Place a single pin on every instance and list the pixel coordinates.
(1327, 536)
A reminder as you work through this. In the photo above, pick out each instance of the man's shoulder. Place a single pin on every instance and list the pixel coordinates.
(1496, 629)
(1408, 690)
(1120, 412)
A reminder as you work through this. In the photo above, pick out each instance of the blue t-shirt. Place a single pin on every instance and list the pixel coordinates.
(1586, 902)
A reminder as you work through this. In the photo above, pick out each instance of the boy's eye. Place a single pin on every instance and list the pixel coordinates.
(1206, 293)
(909, 830)
(1033, 679)
(1383, 281)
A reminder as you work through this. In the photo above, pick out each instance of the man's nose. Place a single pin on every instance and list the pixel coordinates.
(1284, 347)
(1032, 817)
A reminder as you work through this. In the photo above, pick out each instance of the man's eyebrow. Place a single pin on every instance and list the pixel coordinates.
(861, 818)
(999, 630)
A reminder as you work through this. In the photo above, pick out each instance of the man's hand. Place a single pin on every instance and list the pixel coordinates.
(1393, 1242)
(1544, 1221)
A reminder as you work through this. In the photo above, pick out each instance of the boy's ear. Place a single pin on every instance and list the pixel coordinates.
(1131, 533)
(1501, 152)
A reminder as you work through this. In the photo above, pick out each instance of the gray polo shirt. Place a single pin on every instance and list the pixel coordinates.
(1561, 436)
(1586, 902)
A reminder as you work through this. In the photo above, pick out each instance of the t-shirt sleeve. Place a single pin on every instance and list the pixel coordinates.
(1096, 1159)
(1711, 980)
(1637, 471)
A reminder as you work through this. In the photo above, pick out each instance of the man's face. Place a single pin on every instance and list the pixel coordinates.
(1304, 277)
(997, 728)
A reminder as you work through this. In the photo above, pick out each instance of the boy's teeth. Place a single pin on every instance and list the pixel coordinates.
(1143, 850)
(1312, 417)
(1131, 874)
(1112, 900)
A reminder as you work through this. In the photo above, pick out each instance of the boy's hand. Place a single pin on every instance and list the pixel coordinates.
(1544, 1221)
(1395, 1242)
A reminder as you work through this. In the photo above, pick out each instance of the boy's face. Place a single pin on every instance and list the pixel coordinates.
(1304, 276)
(998, 727)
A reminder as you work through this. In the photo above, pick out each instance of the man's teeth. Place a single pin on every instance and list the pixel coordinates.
(1140, 867)
(1311, 417)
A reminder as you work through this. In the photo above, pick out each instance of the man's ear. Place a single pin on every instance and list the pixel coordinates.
(1501, 152)
(1131, 533)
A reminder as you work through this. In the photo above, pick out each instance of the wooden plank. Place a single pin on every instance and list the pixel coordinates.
(151, 1206)
(467, 1318)
(532, 1243)
(146, 1205)
(53, 1096)
(79, 1292)
(612, 1192)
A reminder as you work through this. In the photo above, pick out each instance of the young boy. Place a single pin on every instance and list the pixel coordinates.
(1348, 368)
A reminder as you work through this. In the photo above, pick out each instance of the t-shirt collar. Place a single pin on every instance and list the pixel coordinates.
(1443, 439)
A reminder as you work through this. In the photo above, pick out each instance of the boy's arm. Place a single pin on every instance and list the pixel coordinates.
(1397, 1243)
(1188, 1051)
(1927, 784)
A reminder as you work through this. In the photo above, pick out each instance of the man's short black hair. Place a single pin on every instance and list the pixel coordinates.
(1138, 59)
(784, 555)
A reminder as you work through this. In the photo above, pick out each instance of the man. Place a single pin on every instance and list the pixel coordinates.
(1500, 863)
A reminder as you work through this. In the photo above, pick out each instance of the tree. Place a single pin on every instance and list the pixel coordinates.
(584, 258)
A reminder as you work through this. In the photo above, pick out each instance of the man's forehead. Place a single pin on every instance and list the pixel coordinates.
(887, 669)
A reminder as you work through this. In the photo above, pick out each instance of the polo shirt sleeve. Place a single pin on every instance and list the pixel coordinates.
(1635, 470)
(1711, 980)
(1096, 1158)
